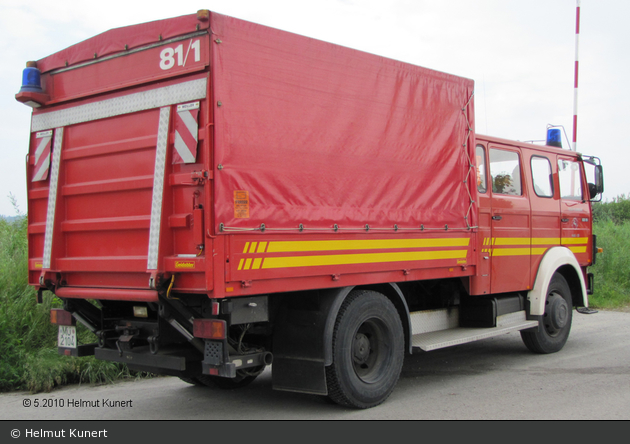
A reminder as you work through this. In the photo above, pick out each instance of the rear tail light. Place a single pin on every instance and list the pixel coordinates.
(209, 328)
(61, 317)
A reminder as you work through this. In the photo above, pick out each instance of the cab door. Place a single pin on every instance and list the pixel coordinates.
(511, 228)
(545, 204)
(575, 222)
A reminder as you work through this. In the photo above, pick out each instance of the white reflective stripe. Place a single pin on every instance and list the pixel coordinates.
(130, 103)
(43, 169)
(183, 150)
(42, 165)
(40, 148)
(158, 188)
(190, 122)
(52, 198)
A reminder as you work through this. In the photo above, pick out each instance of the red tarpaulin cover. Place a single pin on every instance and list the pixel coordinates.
(319, 134)
(114, 41)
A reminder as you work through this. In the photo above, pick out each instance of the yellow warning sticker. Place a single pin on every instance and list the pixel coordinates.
(241, 204)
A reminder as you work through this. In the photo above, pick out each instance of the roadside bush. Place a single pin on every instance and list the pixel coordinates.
(28, 341)
(617, 211)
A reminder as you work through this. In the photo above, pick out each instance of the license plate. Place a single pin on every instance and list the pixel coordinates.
(67, 336)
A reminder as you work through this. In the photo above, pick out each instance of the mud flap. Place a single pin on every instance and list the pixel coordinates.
(299, 341)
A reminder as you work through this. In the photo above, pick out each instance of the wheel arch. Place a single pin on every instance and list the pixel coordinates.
(393, 292)
(563, 261)
(390, 290)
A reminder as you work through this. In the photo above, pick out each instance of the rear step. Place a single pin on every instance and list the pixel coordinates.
(437, 329)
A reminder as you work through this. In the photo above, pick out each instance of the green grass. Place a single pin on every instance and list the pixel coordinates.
(612, 268)
(28, 341)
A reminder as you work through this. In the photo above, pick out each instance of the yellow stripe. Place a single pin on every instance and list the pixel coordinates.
(541, 241)
(373, 244)
(248, 263)
(350, 259)
(511, 252)
(527, 241)
(574, 240)
(378, 244)
(578, 249)
(528, 251)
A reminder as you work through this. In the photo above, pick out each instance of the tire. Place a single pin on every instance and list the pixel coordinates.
(368, 351)
(556, 322)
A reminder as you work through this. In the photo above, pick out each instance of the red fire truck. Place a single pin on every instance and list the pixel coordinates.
(210, 196)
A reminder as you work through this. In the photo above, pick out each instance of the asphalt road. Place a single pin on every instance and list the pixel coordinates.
(494, 379)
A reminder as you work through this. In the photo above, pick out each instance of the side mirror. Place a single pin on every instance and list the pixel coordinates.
(596, 188)
(599, 179)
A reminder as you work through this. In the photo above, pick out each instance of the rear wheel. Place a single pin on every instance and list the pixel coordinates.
(556, 322)
(368, 351)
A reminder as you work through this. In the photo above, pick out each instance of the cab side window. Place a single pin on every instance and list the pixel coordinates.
(542, 176)
(505, 170)
(482, 181)
(570, 179)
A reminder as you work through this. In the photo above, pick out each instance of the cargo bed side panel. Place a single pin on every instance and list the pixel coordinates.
(316, 134)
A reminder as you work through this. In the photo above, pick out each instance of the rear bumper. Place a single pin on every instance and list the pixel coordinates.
(142, 359)
(107, 294)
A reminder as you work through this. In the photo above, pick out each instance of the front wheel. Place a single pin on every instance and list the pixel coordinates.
(368, 351)
(556, 322)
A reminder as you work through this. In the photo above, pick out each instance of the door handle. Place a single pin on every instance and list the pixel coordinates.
(497, 217)
(564, 220)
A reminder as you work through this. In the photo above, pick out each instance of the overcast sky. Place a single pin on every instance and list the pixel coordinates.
(519, 53)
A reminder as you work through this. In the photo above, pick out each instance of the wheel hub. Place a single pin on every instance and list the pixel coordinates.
(361, 348)
(558, 312)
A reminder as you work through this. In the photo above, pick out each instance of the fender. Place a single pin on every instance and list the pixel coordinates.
(553, 259)
(302, 339)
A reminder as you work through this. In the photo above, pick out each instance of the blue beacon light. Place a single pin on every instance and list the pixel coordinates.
(554, 137)
(31, 79)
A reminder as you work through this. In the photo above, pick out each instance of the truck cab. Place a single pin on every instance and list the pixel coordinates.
(531, 198)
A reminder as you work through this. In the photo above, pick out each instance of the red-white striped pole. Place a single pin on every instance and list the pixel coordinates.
(577, 63)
